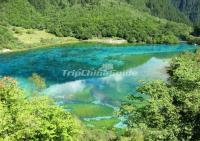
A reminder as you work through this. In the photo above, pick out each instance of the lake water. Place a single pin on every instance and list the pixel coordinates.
(91, 80)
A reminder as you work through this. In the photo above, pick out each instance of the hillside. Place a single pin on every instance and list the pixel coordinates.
(190, 8)
(7, 40)
(85, 20)
(160, 8)
(187, 11)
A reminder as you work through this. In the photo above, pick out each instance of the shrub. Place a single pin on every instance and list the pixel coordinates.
(36, 118)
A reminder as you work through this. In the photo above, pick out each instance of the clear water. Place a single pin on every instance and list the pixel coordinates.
(146, 62)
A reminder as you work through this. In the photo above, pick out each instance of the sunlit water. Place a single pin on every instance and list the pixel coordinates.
(147, 62)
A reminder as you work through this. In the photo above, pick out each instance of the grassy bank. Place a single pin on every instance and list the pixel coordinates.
(102, 124)
(33, 38)
(89, 110)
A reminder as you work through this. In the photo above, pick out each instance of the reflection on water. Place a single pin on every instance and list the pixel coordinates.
(68, 88)
(111, 89)
(148, 62)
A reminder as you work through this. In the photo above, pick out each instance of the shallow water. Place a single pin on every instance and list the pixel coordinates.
(114, 72)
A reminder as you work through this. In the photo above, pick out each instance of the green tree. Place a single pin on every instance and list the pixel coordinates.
(36, 118)
(196, 31)
(85, 19)
(38, 82)
(7, 40)
(168, 111)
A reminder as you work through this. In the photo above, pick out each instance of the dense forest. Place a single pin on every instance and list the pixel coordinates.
(190, 8)
(186, 11)
(129, 19)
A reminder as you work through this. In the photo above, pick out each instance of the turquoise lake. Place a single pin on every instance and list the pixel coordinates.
(82, 75)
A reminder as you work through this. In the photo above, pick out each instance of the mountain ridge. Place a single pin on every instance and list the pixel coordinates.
(85, 19)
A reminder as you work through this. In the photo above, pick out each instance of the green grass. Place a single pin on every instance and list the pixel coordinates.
(83, 96)
(105, 123)
(39, 37)
(89, 110)
(7, 40)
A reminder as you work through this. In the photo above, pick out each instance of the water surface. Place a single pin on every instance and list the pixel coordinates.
(146, 62)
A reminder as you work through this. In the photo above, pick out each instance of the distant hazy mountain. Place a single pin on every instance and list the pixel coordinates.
(190, 8)
(177, 10)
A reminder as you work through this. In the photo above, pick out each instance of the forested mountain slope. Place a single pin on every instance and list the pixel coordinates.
(84, 19)
(187, 11)
(190, 8)
(160, 8)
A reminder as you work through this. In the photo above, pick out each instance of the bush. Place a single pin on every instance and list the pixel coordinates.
(193, 40)
(168, 111)
(7, 40)
(17, 31)
(30, 31)
(196, 31)
(36, 118)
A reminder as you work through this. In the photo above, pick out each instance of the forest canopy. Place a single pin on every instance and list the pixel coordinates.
(87, 19)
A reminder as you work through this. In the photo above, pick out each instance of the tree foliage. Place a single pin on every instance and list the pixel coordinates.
(186, 11)
(7, 40)
(38, 82)
(92, 18)
(36, 118)
(190, 8)
(168, 111)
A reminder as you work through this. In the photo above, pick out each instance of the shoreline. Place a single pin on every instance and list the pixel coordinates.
(39, 39)
(32, 48)
(104, 41)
